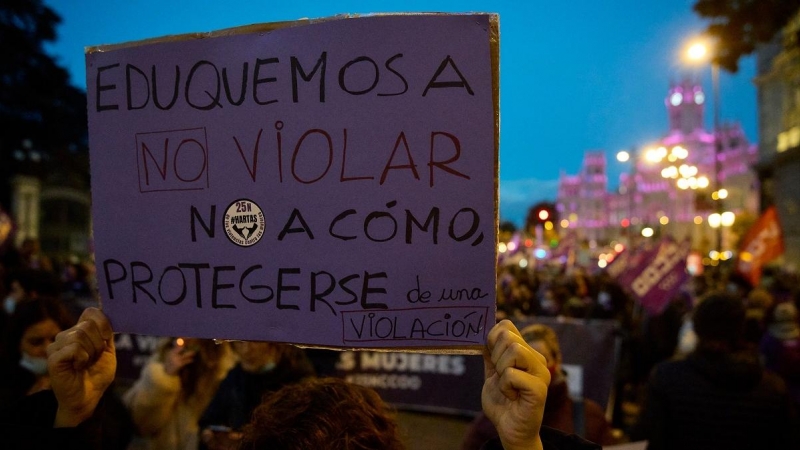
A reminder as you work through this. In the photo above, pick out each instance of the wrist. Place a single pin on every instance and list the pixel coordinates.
(66, 418)
(536, 444)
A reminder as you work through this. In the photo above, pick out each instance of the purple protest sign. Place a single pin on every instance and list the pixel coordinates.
(329, 183)
(662, 277)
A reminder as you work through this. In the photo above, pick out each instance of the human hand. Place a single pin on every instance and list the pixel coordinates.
(81, 363)
(177, 358)
(221, 438)
(515, 388)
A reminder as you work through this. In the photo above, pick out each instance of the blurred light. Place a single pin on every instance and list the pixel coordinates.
(728, 254)
(699, 97)
(723, 193)
(573, 218)
(180, 342)
(714, 262)
(672, 158)
(679, 152)
(663, 220)
(652, 155)
(593, 244)
(512, 246)
(713, 254)
(727, 218)
(602, 264)
(697, 51)
(564, 223)
(647, 232)
(635, 221)
(528, 243)
(693, 182)
(723, 256)
(715, 195)
(543, 214)
(746, 256)
(623, 156)
(619, 248)
(602, 256)
(540, 253)
(625, 223)
(687, 171)
(714, 220)
(702, 182)
(706, 261)
(501, 247)
(683, 183)
(698, 220)
(548, 225)
(669, 172)
(523, 263)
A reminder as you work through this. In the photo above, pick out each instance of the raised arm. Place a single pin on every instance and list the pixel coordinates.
(515, 388)
(81, 362)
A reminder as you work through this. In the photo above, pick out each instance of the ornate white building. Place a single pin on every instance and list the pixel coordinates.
(670, 182)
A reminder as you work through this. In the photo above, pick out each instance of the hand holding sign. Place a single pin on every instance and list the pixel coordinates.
(81, 363)
(515, 389)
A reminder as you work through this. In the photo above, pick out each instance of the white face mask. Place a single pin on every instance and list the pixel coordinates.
(268, 367)
(37, 366)
(9, 304)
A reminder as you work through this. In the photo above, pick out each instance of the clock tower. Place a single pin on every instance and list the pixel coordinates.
(685, 104)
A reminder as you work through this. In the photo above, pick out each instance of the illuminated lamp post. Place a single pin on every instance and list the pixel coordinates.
(624, 156)
(699, 52)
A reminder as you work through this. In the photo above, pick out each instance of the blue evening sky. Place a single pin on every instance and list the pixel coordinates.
(574, 75)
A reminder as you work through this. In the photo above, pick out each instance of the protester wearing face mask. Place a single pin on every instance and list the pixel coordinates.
(25, 284)
(560, 410)
(31, 328)
(263, 367)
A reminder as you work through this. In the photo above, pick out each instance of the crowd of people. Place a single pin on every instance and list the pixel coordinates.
(719, 367)
(720, 353)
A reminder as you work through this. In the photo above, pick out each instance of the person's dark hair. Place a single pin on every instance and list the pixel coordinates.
(720, 318)
(28, 313)
(324, 413)
(42, 282)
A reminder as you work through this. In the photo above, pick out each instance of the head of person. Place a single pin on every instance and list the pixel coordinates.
(255, 357)
(719, 321)
(33, 326)
(322, 413)
(27, 284)
(544, 340)
(782, 321)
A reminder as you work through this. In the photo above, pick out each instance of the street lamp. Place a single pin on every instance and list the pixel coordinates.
(625, 156)
(699, 51)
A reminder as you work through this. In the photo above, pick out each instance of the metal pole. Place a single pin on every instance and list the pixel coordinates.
(717, 148)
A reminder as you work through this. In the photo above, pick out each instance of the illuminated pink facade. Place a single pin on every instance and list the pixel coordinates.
(645, 198)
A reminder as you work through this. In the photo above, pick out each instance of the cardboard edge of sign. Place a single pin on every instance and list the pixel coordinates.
(494, 50)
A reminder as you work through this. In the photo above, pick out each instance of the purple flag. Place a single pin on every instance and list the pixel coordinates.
(662, 276)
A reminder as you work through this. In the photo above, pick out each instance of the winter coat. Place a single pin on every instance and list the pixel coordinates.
(715, 400)
(165, 417)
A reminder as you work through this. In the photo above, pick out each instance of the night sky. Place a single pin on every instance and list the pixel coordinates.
(574, 76)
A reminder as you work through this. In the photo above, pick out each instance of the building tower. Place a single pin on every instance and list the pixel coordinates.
(685, 104)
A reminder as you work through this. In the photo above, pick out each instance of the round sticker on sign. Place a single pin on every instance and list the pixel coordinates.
(244, 222)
